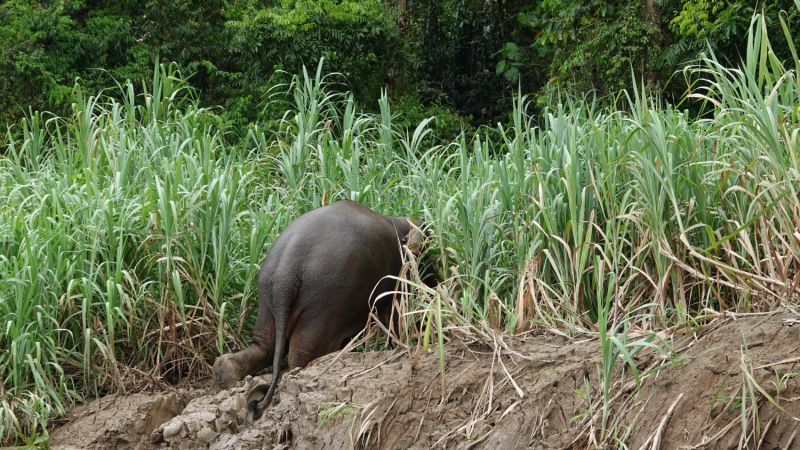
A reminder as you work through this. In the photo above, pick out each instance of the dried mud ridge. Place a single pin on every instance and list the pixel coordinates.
(383, 403)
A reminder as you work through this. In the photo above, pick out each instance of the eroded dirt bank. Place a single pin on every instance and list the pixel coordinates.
(524, 399)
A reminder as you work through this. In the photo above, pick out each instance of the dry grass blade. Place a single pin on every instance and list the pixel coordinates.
(747, 370)
(764, 435)
(356, 374)
(661, 426)
(707, 441)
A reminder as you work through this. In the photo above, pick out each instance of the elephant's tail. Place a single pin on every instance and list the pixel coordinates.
(281, 316)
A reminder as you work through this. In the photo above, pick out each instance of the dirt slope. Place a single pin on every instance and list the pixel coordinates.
(521, 400)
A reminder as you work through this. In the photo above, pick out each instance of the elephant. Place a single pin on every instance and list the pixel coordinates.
(316, 287)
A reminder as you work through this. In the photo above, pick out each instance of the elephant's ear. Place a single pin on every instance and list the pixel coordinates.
(413, 240)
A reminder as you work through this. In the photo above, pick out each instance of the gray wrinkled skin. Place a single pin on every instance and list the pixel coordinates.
(314, 288)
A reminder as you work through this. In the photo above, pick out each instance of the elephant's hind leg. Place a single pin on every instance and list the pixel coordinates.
(309, 343)
(230, 368)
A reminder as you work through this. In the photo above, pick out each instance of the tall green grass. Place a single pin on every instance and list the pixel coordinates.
(131, 231)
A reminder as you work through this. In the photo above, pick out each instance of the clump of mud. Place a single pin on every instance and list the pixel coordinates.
(523, 398)
(119, 422)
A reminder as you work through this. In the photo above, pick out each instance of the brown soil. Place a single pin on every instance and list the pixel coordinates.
(391, 405)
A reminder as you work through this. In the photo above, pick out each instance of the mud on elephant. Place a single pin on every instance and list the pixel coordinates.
(316, 285)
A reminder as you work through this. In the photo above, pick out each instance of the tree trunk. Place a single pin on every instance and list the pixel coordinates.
(652, 18)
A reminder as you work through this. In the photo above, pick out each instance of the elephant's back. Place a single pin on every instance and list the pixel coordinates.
(340, 233)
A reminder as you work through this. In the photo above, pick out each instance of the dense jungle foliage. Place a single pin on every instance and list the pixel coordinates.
(458, 60)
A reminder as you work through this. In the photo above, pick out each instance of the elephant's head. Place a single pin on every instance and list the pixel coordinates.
(415, 240)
